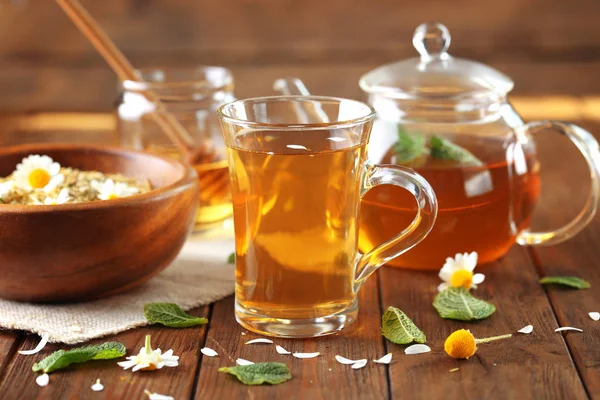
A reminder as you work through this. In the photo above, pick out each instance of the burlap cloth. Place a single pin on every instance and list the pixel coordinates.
(199, 275)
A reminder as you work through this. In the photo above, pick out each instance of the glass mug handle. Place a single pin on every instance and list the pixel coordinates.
(588, 146)
(419, 228)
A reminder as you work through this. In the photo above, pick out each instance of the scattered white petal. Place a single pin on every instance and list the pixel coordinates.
(306, 355)
(344, 360)
(207, 351)
(38, 348)
(385, 359)
(359, 364)
(281, 350)
(417, 349)
(526, 329)
(260, 340)
(595, 316)
(243, 333)
(43, 380)
(158, 396)
(241, 361)
(568, 328)
(455, 369)
(97, 387)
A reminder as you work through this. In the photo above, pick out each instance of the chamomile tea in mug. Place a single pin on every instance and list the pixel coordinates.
(298, 170)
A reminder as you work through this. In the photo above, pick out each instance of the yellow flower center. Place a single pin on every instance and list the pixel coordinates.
(463, 278)
(112, 196)
(38, 178)
(460, 344)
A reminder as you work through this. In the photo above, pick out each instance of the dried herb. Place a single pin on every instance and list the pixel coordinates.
(171, 315)
(398, 328)
(570, 281)
(458, 303)
(63, 358)
(257, 374)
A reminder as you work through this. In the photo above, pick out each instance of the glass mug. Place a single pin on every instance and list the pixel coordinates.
(298, 170)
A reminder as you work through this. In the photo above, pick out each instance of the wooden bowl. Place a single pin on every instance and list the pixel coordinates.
(77, 252)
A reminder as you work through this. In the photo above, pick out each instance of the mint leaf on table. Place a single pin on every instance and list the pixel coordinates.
(231, 259)
(398, 328)
(257, 374)
(171, 315)
(63, 358)
(409, 147)
(570, 281)
(444, 149)
(458, 303)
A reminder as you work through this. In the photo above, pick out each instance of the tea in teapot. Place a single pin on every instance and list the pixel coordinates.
(450, 121)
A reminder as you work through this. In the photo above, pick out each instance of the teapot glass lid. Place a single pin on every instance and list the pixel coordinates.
(435, 74)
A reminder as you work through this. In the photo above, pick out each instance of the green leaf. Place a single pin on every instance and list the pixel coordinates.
(257, 374)
(446, 150)
(171, 315)
(231, 259)
(398, 328)
(571, 281)
(409, 146)
(460, 304)
(62, 358)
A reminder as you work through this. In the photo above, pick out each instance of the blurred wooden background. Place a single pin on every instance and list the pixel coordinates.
(549, 47)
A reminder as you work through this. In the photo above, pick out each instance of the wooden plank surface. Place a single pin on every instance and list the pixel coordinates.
(18, 381)
(535, 366)
(319, 378)
(576, 257)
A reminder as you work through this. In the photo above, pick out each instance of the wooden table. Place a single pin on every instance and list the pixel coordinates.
(543, 365)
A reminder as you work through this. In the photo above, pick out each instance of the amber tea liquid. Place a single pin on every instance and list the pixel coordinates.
(296, 199)
(214, 200)
(480, 208)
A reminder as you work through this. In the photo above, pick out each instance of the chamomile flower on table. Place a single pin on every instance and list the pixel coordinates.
(109, 189)
(458, 272)
(37, 172)
(62, 198)
(150, 360)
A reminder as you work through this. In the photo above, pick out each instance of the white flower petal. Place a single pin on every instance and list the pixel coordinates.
(97, 387)
(43, 380)
(208, 352)
(359, 364)
(446, 274)
(443, 286)
(168, 353)
(526, 329)
(385, 359)
(171, 363)
(417, 349)
(241, 361)
(595, 316)
(126, 364)
(568, 328)
(281, 350)
(140, 366)
(306, 355)
(344, 360)
(470, 261)
(38, 348)
(478, 278)
(260, 340)
(157, 396)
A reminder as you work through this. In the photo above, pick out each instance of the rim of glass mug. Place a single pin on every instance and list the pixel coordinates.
(368, 113)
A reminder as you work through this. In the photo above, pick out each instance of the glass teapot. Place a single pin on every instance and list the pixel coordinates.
(449, 119)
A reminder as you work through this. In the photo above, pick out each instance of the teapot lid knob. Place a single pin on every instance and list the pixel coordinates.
(432, 40)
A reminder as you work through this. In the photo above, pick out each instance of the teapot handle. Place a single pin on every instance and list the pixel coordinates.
(588, 146)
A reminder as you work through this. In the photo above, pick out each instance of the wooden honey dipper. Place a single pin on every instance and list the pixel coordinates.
(98, 38)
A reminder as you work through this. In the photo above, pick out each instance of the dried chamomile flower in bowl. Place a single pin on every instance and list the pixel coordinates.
(84, 221)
